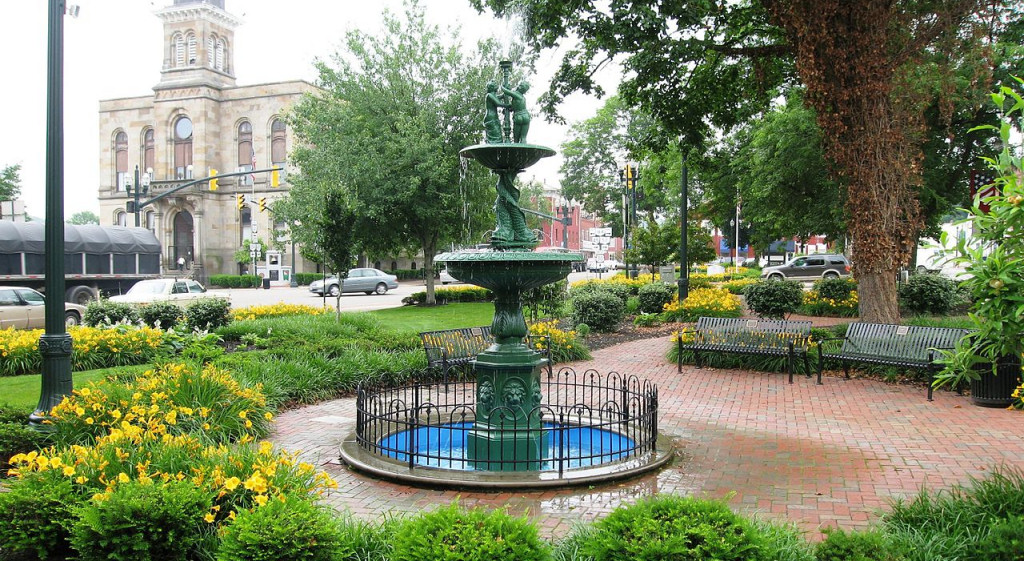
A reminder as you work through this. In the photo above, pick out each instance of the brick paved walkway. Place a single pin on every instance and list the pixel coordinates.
(820, 456)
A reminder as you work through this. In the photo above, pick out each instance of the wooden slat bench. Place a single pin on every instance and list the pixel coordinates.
(907, 346)
(456, 347)
(748, 336)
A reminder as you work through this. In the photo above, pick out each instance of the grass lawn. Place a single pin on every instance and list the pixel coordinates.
(433, 318)
(23, 391)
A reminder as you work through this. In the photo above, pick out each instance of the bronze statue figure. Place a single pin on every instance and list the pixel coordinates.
(492, 121)
(520, 116)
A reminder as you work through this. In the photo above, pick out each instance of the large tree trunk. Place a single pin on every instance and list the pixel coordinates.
(845, 52)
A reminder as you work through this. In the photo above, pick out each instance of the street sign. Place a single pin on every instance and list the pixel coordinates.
(594, 232)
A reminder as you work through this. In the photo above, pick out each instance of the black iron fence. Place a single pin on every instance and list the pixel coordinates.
(584, 420)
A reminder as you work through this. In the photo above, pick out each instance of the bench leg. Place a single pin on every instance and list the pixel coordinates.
(931, 379)
(789, 363)
(846, 369)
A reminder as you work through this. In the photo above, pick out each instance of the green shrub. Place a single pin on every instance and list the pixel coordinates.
(294, 529)
(835, 288)
(453, 534)
(855, 546)
(1004, 542)
(18, 438)
(929, 294)
(653, 297)
(105, 312)
(305, 279)
(647, 320)
(668, 527)
(599, 309)
(621, 290)
(774, 299)
(583, 329)
(143, 522)
(36, 514)
(208, 314)
(163, 315)
(545, 301)
(445, 295)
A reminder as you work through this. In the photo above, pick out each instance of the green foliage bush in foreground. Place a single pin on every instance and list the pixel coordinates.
(208, 314)
(451, 533)
(445, 295)
(284, 529)
(774, 299)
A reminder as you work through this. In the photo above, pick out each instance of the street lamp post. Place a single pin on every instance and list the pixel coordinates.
(55, 343)
(629, 176)
(138, 188)
(684, 272)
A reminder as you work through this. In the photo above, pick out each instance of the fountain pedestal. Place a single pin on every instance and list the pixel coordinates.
(508, 424)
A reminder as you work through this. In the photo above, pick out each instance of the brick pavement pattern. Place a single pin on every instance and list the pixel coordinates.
(818, 456)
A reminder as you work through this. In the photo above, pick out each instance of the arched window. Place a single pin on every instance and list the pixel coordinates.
(220, 55)
(183, 148)
(121, 160)
(150, 222)
(278, 148)
(148, 150)
(246, 155)
(190, 44)
(394, 265)
(413, 265)
(178, 50)
(211, 41)
(120, 218)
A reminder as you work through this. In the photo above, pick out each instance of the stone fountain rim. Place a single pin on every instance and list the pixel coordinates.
(360, 460)
(467, 152)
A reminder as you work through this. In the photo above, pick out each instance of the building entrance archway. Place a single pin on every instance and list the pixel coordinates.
(182, 240)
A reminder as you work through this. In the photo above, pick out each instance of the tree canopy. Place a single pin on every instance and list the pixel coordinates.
(84, 217)
(10, 182)
(386, 129)
(701, 67)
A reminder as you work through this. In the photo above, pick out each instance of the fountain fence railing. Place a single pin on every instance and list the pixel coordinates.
(584, 420)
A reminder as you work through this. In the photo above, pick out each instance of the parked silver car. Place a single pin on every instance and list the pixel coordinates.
(24, 308)
(367, 280)
(810, 267)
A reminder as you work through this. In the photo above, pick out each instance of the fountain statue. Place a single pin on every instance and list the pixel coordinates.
(508, 386)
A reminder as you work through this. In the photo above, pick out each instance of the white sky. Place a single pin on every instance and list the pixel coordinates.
(113, 49)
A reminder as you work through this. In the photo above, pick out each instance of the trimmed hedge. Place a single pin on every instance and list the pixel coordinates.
(236, 281)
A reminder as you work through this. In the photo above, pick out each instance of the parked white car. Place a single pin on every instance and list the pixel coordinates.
(167, 290)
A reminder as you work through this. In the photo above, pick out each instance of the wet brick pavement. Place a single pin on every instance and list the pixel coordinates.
(819, 456)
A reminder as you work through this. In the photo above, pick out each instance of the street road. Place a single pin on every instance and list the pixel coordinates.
(243, 297)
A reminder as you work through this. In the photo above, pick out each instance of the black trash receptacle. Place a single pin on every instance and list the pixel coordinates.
(996, 390)
(266, 284)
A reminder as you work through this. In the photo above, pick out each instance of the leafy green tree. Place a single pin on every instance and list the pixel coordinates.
(386, 129)
(698, 67)
(84, 217)
(10, 183)
(244, 256)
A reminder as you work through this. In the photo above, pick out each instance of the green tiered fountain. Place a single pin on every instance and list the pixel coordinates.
(506, 436)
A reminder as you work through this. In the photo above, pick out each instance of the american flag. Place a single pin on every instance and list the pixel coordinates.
(252, 176)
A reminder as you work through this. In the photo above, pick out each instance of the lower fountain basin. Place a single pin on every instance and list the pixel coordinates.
(565, 446)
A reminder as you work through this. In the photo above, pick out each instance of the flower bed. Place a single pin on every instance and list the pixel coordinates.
(276, 310)
(816, 305)
(706, 302)
(92, 347)
(564, 346)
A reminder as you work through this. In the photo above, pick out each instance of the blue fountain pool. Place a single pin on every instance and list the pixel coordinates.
(565, 446)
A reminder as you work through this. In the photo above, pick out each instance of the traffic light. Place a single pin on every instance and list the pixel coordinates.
(213, 179)
(129, 206)
(263, 204)
(275, 178)
(241, 201)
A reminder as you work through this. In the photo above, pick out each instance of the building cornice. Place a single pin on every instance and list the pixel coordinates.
(192, 12)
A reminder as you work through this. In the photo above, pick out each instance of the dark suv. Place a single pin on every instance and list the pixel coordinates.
(810, 267)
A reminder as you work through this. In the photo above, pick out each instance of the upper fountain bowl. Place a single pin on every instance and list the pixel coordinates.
(510, 157)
